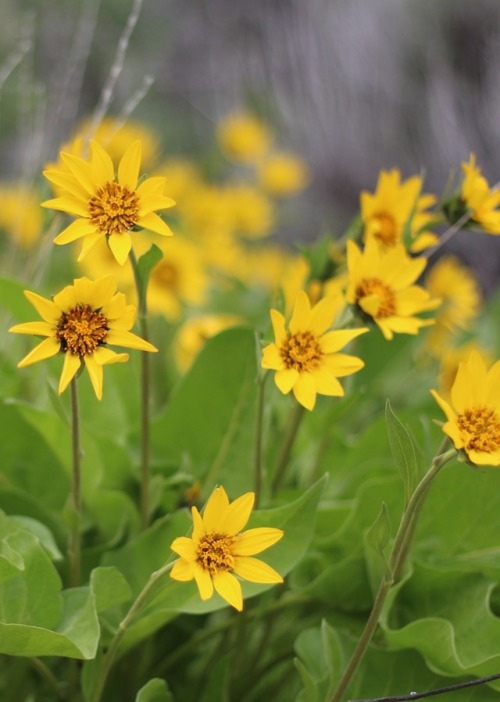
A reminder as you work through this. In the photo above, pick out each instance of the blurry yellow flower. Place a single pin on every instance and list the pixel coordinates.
(305, 357)
(243, 137)
(473, 413)
(107, 207)
(386, 212)
(206, 213)
(219, 547)
(180, 278)
(458, 289)
(381, 285)
(251, 212)
(81, 322)
(182, 179)
(115, 138)
(479, 198)
(283, 174)
(20, 214)
(195, 331)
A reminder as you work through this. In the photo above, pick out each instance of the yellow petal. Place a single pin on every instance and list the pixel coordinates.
(335, 340)
(370, 304)
(215, 510)
(271, 358)
(48, 347)
(76, 230)
(154, 223)
(278, 322)
(102, 166)
(45, 308)
(198, 526)
(182, 570)
(322, 314)
(203, 581)
(286, 379)
(229, 589)
(67, 182)
(95, 374)
(128, 169)
(256, 571)
(68, 204)
(35, 328)
(254, 541)
(328, 385)
(151, 186)
(184, 547)
(82, 172)
(129, 340)
(449, 412)
(104, 290)
(305, 390)
(105, 356)
(301, 312)
(340, 364)
(150, 203)
(120, 245)
(70, 368)
(88, 243)
(238, 514)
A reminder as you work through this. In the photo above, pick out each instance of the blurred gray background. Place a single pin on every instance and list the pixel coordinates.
(353, 86)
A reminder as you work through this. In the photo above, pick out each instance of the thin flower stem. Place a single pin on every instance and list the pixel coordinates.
(109, 657)
(433, 693)
(287, 446)
(74, 550)
(397, 558)
(145, 398)
(45, 672)
(258, 437)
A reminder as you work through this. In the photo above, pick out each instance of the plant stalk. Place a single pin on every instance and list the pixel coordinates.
(286, 449)
(258, 437)
(74, 550)
(397, 558)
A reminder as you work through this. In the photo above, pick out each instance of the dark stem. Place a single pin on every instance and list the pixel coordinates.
(433, 693)
(75, 537)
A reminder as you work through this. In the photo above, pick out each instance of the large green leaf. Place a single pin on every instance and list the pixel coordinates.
(209, 420)
(155, 690)
(36, 617)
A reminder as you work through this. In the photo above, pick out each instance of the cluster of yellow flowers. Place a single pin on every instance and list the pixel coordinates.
(376, 283)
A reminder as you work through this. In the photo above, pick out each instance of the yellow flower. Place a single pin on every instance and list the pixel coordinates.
(218, 548)
(473, 413)
(450, 359)
(20, 214)
(251, 212)
(386, 212)
(479, 198)
(81, 322)
(243, 137)
(305, 357)
(107, 206)
(194, 333)
(381, 285)
(283, 174)
(457, 287)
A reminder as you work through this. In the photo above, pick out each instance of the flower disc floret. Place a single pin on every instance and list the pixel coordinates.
(82, 322)
(114, 209)
(301, 351)
(473, 412)
(219, 553)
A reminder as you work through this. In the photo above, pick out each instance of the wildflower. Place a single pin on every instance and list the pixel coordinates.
(107, 206)
(81, 322)
(243, 137)
(218, 548)
(479, 198)
(387, 211)
(20, 214)
(473, 412)
(458, 289)
(381, 285)
(283, 174)
(305, 357)
(450, 359)
(251, 212)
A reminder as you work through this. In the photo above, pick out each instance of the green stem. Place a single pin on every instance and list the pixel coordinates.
(45, 672)
(109, 657)
(74, 550)
(397, 558)
(286, 449)
(145, 398)
(258, 437)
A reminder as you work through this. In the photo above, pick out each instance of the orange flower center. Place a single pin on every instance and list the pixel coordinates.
(215, 552)
(301, 351)
(385, 294)
(81, 330)
(386, 231)
(482, 425)
(115, 209)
